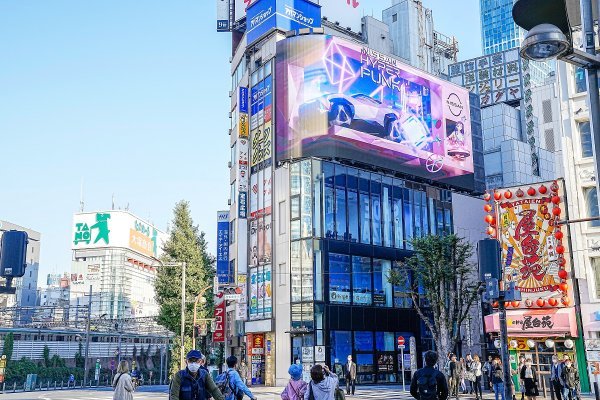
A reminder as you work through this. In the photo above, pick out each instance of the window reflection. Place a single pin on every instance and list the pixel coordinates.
(361, 281)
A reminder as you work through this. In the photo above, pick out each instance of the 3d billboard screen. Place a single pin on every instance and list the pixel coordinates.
(339, 99)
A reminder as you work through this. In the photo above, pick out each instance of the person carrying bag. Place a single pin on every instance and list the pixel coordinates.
(122, 384)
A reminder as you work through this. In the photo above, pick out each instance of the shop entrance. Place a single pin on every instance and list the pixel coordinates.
(256, 352)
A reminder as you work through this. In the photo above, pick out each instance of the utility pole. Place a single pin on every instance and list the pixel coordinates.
(182, 349)
(87, 338)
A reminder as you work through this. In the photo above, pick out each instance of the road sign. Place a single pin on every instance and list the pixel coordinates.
(400, 341)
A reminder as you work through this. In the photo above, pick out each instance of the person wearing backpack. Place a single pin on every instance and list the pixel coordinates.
(231, 384)
(296, 387)
(498, 378)
(428, 383)
(193, 382)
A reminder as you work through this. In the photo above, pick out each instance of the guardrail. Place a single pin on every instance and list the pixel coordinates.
(48, 385)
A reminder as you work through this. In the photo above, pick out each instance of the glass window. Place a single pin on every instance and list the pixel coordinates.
(408, 217)
(318, 276)
(339, 278)
(352, 215)
(295, 179)
(580, 82)
(296, 271)
(365, 207)
(317, 186)
(585, 136)
(591, 198)
(363, 341)
(382, 293)
(340, 203)
(307, 270)
(376, 208)
(365, 368)
(402, 297)
(398, 220)
(386, 199)
(424, 215)
(385, 341)
(329, 200)
(306, 195)
(341, 346)
(361, 281)
(596, 272)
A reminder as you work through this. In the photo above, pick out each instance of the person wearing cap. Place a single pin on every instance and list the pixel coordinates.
(296, 387)
(193, 383)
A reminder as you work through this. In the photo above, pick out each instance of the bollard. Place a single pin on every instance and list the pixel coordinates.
(14, 387)
(54, 385)
(596, 393)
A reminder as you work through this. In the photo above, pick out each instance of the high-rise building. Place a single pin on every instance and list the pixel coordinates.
(499, 32)
(116, 254)
(26, 295)
(341, 154)
(580, 180)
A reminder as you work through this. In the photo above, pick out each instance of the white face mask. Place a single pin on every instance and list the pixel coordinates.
(193, 367)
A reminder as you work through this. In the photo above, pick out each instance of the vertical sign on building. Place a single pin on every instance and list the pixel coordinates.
(219, 333)
(223, 247)
(223, 16)
(243, 173)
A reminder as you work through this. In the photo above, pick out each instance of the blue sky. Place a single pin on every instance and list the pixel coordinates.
(130, 97)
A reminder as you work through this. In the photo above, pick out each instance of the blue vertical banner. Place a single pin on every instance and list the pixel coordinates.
(223, 274)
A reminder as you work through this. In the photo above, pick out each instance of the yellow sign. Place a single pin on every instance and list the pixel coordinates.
(261, 145)
(243, 127)
(140, 242)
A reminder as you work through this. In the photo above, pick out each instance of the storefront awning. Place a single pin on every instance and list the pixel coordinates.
(536, 323)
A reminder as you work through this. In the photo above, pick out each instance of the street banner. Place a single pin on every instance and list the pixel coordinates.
(223, 247)
(219, 333)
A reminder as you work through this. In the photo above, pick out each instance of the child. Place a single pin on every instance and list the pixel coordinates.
(296, 387)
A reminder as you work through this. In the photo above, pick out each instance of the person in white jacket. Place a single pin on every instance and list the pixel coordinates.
(122, 384)
(322, 385)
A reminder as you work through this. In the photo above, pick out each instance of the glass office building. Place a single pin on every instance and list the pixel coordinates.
(349, 228)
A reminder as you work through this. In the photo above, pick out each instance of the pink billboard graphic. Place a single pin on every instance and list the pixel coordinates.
(339, 99)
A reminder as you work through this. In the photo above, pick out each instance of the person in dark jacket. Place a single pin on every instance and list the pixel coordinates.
(419, 381)
(193, 383)
(498, 378)
(570, 377)
(528, 376)
(556, 377)
(453, 376)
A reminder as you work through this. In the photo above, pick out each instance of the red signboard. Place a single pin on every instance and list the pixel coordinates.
(400, 340)
(219, 333)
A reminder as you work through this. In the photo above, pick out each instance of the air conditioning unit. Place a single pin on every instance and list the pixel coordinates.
(229, 164)
(229, 202)
(229, 114)
(230, 132)
(230, 93)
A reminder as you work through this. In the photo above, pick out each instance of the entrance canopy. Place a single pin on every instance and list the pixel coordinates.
(535, 323)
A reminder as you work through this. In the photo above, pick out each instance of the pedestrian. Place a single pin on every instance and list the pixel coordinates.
(296, 387)
(231, 383)
(71, 381)
(428, 383)
(470, 374)
(462, 371)
(498, 378)
(203, 363)
(244, 371)
(447, 364)
(487, 373)
(556, 377)
(518, 373)
(350, 372)
(529, 378)
(193, 382)
(453, 376)
(323, 384)
(478, 373)
(570, 377)
(122, 384)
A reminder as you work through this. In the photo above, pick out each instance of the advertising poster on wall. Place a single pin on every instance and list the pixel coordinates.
(261, 121)
(535, 249)
(241, 306)
(253, 195)
(254, 243)
(261, 293)
(223, 247)
(267, 239)
(219, 333)
(267, 291)
(340, 99)
(253, 309)
(262, 140)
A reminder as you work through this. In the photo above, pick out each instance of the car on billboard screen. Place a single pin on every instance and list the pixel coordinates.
(339, 99)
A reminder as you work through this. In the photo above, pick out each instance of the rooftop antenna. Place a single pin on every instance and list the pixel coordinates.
(81, 202)
(113, 201)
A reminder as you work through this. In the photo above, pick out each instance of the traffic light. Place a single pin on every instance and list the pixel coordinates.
(230, 293)
(13, 250)
(488, 254)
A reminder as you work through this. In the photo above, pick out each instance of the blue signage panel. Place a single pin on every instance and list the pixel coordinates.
(285, 15)
(243, 205)
(223, 274)
(243, 100)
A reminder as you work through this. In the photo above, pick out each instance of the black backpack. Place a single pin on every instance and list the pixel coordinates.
(427, 385)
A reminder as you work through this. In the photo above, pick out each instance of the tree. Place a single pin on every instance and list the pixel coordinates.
(46, 356)
(186, 244)
(442, 281)
(9, 343)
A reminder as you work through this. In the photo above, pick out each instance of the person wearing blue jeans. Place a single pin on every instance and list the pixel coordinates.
(498, 378)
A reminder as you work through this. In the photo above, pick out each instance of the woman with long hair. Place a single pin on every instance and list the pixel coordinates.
(122, 385)
(476, 368)
(529, 377)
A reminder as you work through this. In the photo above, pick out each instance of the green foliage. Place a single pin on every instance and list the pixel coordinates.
(46, 356)
(17, 371)
(79, 358)
(9, 343)
(443, 267)
(186, 244)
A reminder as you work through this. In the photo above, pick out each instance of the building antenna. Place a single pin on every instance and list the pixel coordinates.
(81, 202)
(113, 202)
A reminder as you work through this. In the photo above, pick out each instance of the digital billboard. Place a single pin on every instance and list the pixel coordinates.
(339, 99)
